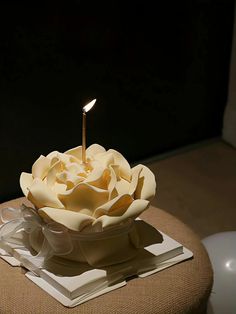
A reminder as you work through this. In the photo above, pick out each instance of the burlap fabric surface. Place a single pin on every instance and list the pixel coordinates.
(183, 288)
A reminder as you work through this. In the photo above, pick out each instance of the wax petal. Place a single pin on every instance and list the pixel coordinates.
(133, 211)
(84, 196)
(96, 173)
(26, 180)
(66, 158)
(135, 177)
(116, 169)
(74, 168)
(105, 159)
(111, 186)
(59, 188)
(146, 187)
(115, 207)
(69, 179)
(40, 167)
(122, 186)
(125, 170)
(52, 154)
(41, 195)
(76, 152)
(99, 177)
(94, 149)
(70, 219)
(53, 171)
(56, 157)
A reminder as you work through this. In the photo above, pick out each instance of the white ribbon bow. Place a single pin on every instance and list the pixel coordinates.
(57, 240)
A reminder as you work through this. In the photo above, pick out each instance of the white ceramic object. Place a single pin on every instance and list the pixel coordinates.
(116, 245)
(221, 248)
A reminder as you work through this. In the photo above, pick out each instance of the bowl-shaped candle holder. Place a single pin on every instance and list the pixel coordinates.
(115, 245)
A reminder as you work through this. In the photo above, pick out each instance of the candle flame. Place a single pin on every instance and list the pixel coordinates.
(89, 105)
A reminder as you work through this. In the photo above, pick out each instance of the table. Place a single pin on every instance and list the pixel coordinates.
(183, 288)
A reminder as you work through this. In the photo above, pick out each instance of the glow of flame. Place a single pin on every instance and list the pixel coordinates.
(89, 106)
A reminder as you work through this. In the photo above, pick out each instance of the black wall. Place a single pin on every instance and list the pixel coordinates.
(159, 71)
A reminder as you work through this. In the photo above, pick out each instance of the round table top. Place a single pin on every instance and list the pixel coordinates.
(182, 288)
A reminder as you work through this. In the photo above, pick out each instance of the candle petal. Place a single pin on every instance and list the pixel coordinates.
(146, 187)
(40, 167)
(133, 211)
(76, 152)
(99, 177)
(105, 159)
(95, 149)
(42, 195)
(122, 186)
(26, 180)
(135, 177)
(84, 196)
(112, 184)
(125, 170)
(69, 179)
(51, 176)
(70, 219)
(115, 207)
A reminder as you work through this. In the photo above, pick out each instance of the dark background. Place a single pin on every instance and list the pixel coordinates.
(159, 71)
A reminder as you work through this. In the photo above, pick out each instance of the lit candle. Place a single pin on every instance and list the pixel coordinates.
(85, 110)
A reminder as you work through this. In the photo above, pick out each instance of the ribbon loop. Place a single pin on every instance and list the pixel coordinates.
(8, 214)
(10, 228)
(56, 238)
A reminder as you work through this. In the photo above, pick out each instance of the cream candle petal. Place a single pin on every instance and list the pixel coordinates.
(84, 196)
(69, 178)
(135, 177)
(70, 219)
(59, 188)
(53, 171)
(98, 177)
(125, 170)
(92, 166)
(115, 207)
(73, 168)
(26, 180)
(66, 158)
(146, 187)
(122, 186)
(52, 154)
(41, 167)
(76, 152)
(41, 195)
(57, 156)
(96, 174)
(106, 159)
(116, 169)
(111, 186)
(94, 149)
(133, 211)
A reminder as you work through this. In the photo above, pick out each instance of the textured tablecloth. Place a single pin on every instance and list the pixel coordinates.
(183, 288)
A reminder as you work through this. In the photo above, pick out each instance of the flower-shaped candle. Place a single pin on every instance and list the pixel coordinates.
(88, 197)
